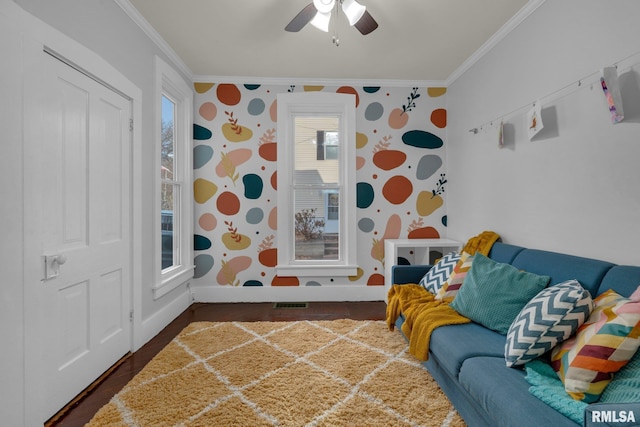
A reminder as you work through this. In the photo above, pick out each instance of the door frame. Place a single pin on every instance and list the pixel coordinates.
(39, 37)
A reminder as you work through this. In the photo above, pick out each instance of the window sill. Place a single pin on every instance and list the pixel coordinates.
(317, 270)
(171, 280)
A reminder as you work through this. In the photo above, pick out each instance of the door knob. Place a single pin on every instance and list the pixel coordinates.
(52, 265)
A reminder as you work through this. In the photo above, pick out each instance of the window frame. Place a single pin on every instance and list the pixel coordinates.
(170, 84)
(291, 105)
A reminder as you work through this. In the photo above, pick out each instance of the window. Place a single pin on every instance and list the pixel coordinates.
(327, 145)
(169, 187)
(174, 247)
(316, 184)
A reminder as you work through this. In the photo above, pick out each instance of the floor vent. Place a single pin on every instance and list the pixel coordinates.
(291, 305)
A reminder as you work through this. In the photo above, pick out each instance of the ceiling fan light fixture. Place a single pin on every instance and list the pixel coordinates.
(353, 10)
(321, 21)
(324, 6)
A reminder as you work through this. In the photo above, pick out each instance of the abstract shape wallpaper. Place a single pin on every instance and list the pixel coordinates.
(400, 175)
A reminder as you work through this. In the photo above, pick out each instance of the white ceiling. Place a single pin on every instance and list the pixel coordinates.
(417, 40)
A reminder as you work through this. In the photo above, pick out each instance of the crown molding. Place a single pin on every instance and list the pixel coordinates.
(317, 81)
(146, 27)
(509, 26)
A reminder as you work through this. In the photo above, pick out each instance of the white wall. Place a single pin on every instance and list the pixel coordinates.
(11, 225)
(574, 188)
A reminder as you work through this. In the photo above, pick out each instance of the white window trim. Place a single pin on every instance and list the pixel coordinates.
(168, 81)
(310, 103)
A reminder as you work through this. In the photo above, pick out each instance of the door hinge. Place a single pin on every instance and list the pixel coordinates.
(131, 316)
(131, 125)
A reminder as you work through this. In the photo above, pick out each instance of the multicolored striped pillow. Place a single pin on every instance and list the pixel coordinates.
(601, 347)
(450, 288)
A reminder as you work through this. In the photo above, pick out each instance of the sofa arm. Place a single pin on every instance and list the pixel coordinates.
(403, 274)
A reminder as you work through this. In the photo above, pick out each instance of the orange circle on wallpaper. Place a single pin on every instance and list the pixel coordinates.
(350, 90)
(228, 94)
(208, 222)
(228, 203)
(208, 111)
(397, 189)
(439, 117)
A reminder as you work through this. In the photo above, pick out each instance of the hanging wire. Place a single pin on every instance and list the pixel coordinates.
(555, 95)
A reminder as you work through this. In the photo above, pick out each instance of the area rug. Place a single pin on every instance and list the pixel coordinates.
(305, 373)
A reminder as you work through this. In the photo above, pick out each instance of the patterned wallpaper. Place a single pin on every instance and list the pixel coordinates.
(400, 174)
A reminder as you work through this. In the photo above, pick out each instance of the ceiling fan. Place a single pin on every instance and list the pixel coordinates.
(318, 13)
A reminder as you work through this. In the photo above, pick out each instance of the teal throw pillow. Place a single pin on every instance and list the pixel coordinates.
(494, 293)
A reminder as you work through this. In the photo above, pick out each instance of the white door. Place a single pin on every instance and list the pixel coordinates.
(78, 237)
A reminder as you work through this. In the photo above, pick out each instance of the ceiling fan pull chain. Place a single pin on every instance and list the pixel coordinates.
(336, 40)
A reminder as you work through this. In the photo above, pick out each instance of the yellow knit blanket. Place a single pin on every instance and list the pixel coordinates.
(423, 314)
(481, 243)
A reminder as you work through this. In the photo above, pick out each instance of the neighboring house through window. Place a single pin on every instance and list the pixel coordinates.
(316, 184)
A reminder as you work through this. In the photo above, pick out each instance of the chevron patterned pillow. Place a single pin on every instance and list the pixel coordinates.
(548, 319)
(451, 286)
(602, 346)
(440, 272)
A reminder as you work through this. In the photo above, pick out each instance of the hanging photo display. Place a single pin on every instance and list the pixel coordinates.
(611, 89)
(534, 121)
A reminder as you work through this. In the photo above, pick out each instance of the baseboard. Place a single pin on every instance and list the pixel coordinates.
(151, 326)
(287, 293)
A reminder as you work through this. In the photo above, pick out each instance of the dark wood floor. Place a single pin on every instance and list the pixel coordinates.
(81, 412)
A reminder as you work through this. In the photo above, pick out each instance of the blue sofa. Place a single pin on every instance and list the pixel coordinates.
(468, 361)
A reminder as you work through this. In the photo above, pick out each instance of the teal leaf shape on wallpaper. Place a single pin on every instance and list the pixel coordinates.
(365, 195)
(201, 243)
(422, 139)
(252, 186)
(201, 133)
(253, 283)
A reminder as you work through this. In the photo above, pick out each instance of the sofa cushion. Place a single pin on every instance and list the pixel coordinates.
(435, 278)
(561, 267)
(504, 393)
(452, 344)
(454, 282)
(550, 318)
(504, 252)
(623, 279)
(602, 346)
(493, 293)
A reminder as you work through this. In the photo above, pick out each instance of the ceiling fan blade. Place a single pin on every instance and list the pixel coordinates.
(366, 24)
(302, 18)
